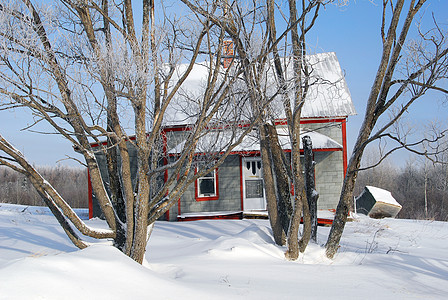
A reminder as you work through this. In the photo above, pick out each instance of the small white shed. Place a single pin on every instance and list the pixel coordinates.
(377, 203)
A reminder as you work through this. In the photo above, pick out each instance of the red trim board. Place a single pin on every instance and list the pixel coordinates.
(241, 183)
(90, 191)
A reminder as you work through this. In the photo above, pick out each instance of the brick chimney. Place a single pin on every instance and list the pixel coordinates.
(228, 53)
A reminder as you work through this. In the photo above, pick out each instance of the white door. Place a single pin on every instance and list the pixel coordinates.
(253, 186)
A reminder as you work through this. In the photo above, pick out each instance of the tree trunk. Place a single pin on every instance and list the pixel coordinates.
(270, 190)
(303, 243)
(348, 187)
(292, 253)
(373, 111)
(311, 193)
(301, 209)
(281, 178)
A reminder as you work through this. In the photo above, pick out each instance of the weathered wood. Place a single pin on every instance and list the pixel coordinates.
(378, 102)
(280, 171)
(269, 183)
(310, 186)
(377, 203)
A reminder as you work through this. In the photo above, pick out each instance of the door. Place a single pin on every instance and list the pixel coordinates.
(253, 185)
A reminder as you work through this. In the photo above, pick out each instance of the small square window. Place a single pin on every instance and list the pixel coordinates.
(207, 186)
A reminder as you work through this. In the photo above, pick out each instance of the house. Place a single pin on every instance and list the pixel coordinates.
(236, 187)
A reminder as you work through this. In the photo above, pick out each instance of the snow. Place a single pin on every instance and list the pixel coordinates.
(381, 195)
(328, 94)
(223, 259)
(209, 214)
(215, 141)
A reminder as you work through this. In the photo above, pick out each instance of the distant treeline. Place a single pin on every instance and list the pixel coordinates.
(71, 183)
(408, 186)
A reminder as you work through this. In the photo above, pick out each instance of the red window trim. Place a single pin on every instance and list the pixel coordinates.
(207, 198)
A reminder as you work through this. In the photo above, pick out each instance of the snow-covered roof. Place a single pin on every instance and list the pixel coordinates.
(183, 108)
(328, 94)
(216, 141)
(319, 140)
(381, 195)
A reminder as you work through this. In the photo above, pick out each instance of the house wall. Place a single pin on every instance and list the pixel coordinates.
(330, 129)
(228, 189)
(329, 177)
(329, 171)
(175, 137)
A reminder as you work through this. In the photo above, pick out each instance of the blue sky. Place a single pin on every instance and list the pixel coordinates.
(351, 31)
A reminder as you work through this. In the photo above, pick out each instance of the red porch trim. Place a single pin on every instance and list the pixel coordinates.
(324, 150)
(173, 128)
(241, 183)
(90, 195)
(165, 162)
(320, 121)
(233, 216)
(178, 200)
(321, 221)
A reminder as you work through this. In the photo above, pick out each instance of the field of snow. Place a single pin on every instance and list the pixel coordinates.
(223, 259)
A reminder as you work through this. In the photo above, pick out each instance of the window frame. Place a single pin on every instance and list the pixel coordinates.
(201, 197)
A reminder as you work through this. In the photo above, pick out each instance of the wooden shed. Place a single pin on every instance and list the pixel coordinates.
(377, 203)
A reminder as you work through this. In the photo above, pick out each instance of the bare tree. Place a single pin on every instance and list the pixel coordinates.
(310, 187)
(253, 28)
(280, 173)
(244, 23)
(382, 176)
(423, 184)
(89, 69)
(300, 25)
(407, 70)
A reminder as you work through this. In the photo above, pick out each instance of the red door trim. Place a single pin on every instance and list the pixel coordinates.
(241, 183)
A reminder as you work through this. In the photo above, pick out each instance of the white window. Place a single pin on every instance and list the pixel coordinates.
(206, 185)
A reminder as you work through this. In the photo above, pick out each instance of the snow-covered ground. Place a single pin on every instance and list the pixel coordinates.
(223, 259)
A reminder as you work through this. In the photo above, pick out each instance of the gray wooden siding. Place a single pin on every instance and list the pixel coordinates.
(329, 178)
(332, 129)
(329, 166)
(229, 191)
